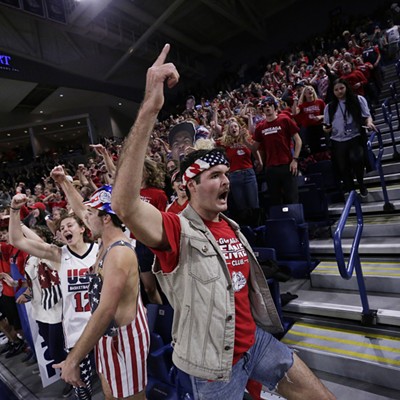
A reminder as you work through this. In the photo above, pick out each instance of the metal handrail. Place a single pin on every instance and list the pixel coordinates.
(368, 316)
(395, 98)
(388, 117)
(378, 166)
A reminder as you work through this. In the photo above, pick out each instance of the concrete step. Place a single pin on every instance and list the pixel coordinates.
(345, 305)
(379, 276)
(346, 388)
(373, 358)
(374, 201)
(367, 206)
(374, 226)
(386, 246)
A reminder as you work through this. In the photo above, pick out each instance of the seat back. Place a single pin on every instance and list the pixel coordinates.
(294, 211)
(289, 240)
(325, 168)
(160, 320)
(315, 204)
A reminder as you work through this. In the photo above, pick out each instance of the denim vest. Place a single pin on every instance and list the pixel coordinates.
(201, 294)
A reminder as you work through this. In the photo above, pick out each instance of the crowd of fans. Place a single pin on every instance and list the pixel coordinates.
(300, 86)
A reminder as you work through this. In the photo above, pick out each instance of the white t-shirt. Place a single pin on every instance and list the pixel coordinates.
(74, 287)
(393, 34)
(54, 314)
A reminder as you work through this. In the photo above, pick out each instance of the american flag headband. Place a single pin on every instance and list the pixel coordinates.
(203, 163)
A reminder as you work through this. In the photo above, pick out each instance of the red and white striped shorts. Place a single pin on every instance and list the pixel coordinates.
(122, 358)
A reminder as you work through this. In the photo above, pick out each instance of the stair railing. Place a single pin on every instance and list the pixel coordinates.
(388, 117)
(387, 206)
(395, 98)
(368, 316)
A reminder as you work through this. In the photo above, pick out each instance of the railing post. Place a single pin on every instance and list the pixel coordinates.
(368, 316)
(387, 206)
(388, 117)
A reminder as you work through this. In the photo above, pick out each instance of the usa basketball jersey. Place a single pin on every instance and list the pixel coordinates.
(74, 287)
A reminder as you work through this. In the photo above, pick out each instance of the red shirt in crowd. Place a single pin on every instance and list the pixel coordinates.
(353, 78)
(58, 204)
(154, 196)
(238, 155)
(7, 252)
(239, 268)
(275, 138)
(309, 110)
(175, 207)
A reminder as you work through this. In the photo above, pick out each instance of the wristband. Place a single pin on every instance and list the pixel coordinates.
(296, 159)
(15, 209)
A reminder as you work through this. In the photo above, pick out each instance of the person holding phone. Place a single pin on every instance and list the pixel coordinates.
(344, 119)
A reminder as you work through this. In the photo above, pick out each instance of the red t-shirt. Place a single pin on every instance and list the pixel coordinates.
(276, 137)
(24, 212)
(238, 155)
(154, 196)
(309, 110)
(58, 204)
(353, 78)
(365, 69)
(176, 208)
(239, 268)
(7, 252)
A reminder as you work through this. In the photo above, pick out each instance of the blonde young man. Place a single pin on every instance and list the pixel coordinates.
(117, 329)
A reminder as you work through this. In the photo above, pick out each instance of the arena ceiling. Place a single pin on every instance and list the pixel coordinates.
(61, 55)
(108, 45)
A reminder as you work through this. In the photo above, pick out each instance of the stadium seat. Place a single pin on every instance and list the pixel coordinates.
(287, 233)
(159, 360)
(160, 320)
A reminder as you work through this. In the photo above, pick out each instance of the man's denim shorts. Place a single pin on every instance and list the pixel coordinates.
(267, 362)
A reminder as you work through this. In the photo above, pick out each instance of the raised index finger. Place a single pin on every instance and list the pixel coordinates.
(162, 56)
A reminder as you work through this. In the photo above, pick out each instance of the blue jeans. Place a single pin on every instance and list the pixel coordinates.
(243, 189)
(266, 362)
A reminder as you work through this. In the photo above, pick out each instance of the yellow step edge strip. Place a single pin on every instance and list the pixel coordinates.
(366, 262)
(343, 352)
(365, 266)
(346, 341)
(364, 273)
(353, 332)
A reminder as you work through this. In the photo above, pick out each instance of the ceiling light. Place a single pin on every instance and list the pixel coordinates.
(41, 111)
(25, 131)
(61, 95)
(44, 128)
(79, 122)
(61, 126)
(8, 134)
(120, 104)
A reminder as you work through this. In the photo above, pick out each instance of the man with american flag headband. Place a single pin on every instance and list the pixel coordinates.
(223, 312)
(118, 327)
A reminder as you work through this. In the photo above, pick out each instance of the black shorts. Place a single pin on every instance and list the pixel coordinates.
(145, 257)
(9, 310)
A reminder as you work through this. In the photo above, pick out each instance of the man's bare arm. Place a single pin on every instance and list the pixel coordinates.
(144, 220)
